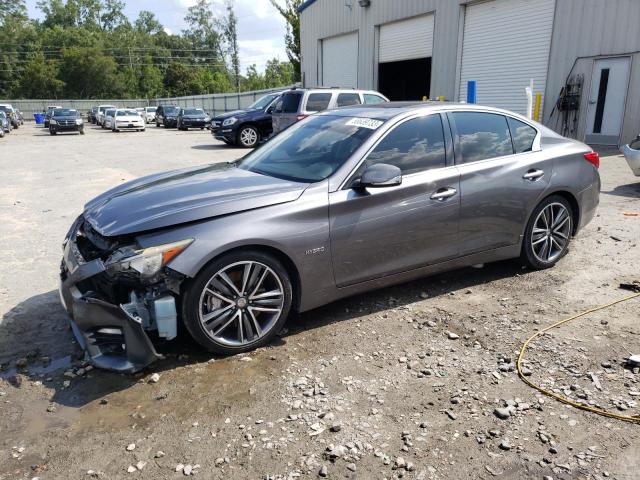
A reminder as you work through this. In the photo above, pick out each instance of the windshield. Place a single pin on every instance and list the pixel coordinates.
(126, 113)
(168, 110)
(263, 102)
(64, 112)
(109, 113)
(193, 111)
(312, 151)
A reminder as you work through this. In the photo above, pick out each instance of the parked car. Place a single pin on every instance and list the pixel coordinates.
(7, 108)
(108, 118)
(632, 154)
(100, 114)
(192, 118)
(343, 202)
(66, 120)
(149, 114)
(20, 116)
(298, 103)
(91, 115)
(48, 112)
(127, 119)
(246, 127)
(5, 125)
(167, 116)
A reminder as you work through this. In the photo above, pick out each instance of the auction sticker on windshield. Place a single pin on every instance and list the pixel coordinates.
(365, 123)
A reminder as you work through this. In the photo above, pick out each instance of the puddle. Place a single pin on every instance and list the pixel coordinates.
(32, 370)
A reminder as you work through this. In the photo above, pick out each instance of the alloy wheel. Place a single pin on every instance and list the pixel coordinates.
(248, 137)
(241, 303)
(551, 232)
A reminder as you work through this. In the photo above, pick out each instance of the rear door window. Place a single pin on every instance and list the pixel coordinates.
(346, 99)
(318, 101)
(522, 134)
(482, 135)
(371, 99)
(413, 146)
(291, 102)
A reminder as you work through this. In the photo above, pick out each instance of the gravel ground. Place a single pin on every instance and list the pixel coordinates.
(415, 381)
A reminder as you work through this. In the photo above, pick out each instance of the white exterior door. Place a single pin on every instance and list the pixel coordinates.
(505, 44)
(340, 61)
(406, 39)
(609, 84)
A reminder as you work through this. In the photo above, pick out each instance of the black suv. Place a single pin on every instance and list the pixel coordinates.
(246, 127)
(167, 116)
(192, 118)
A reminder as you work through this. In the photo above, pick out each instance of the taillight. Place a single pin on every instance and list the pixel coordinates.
(301, 117)
(593, 158)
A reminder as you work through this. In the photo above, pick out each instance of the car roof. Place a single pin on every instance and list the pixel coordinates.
(388, 110)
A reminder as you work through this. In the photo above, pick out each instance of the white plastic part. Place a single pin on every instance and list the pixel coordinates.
(634, 360)
(529, 91)
(164, 310)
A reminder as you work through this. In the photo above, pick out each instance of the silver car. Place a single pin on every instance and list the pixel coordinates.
(343, 202)
(632, 154)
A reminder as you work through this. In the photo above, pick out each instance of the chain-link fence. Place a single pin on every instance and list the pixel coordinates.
(213, 104)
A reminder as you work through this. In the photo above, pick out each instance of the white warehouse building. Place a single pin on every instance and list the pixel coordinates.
(582, 55)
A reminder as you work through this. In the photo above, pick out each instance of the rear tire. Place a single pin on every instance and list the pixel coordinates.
(548, 233)
(241, 317)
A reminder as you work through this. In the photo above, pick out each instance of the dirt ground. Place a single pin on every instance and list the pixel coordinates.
(406, 382)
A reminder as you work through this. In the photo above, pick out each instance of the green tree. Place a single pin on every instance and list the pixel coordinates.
(147, 23)
(113, 15)
(203, 32)
(151, 84)
(13, 10)
(181, 80)
(289, 12)
(39, 79)
(231, 36)
(278, 74)
(88, 73)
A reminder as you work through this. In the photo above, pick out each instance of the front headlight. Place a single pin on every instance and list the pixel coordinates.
(229, 121)
(53, 122)
(147, 261)
(78, 121)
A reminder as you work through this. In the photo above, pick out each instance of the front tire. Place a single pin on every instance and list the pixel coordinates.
(548, 233)
(248, 136)
(238, 302)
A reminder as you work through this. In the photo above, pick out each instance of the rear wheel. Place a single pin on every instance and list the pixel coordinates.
(248, 136)
(548, 233)
(238, 303)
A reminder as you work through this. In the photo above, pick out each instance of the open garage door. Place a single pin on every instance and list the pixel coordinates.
(340, 61)
(505, 44)
(404, 58)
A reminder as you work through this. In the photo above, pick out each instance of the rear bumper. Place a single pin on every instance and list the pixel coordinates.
(131, 127)
(112, 336)
(589, 199)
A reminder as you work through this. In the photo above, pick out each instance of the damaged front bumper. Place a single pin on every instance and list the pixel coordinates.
(113, 335)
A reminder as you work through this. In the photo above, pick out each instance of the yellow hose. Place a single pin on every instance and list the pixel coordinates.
(560, 398)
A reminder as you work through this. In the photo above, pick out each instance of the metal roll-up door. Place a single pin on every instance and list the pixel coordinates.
(340, 61)
(406, 39)
(505, 44)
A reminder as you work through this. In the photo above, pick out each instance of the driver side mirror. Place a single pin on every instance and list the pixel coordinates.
(270, 109)
(379, 175)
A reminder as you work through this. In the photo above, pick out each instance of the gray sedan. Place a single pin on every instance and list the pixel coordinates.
(343, 202)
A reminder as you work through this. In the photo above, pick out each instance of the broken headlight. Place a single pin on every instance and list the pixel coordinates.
(147, 261)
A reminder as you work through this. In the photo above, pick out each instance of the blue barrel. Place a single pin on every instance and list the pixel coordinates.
(39, 118)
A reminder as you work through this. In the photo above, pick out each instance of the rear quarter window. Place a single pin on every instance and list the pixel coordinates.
(318, 101)
(522, 134)
(372, 99)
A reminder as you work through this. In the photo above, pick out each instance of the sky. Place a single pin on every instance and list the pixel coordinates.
(261, 29)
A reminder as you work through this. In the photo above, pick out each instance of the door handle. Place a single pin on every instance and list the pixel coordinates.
(444, 193)
(533, 175)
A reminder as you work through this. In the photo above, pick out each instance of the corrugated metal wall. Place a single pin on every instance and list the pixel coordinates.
(214, 103)
(582, 28)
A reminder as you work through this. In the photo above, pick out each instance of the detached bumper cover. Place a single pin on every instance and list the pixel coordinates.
(112, 336)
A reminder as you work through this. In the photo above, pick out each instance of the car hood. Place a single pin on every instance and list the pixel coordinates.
(236, 113)
(186, 195)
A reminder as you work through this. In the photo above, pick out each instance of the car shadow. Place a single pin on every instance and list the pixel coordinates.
(213, 146)
(37, 328)
(628, 190)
